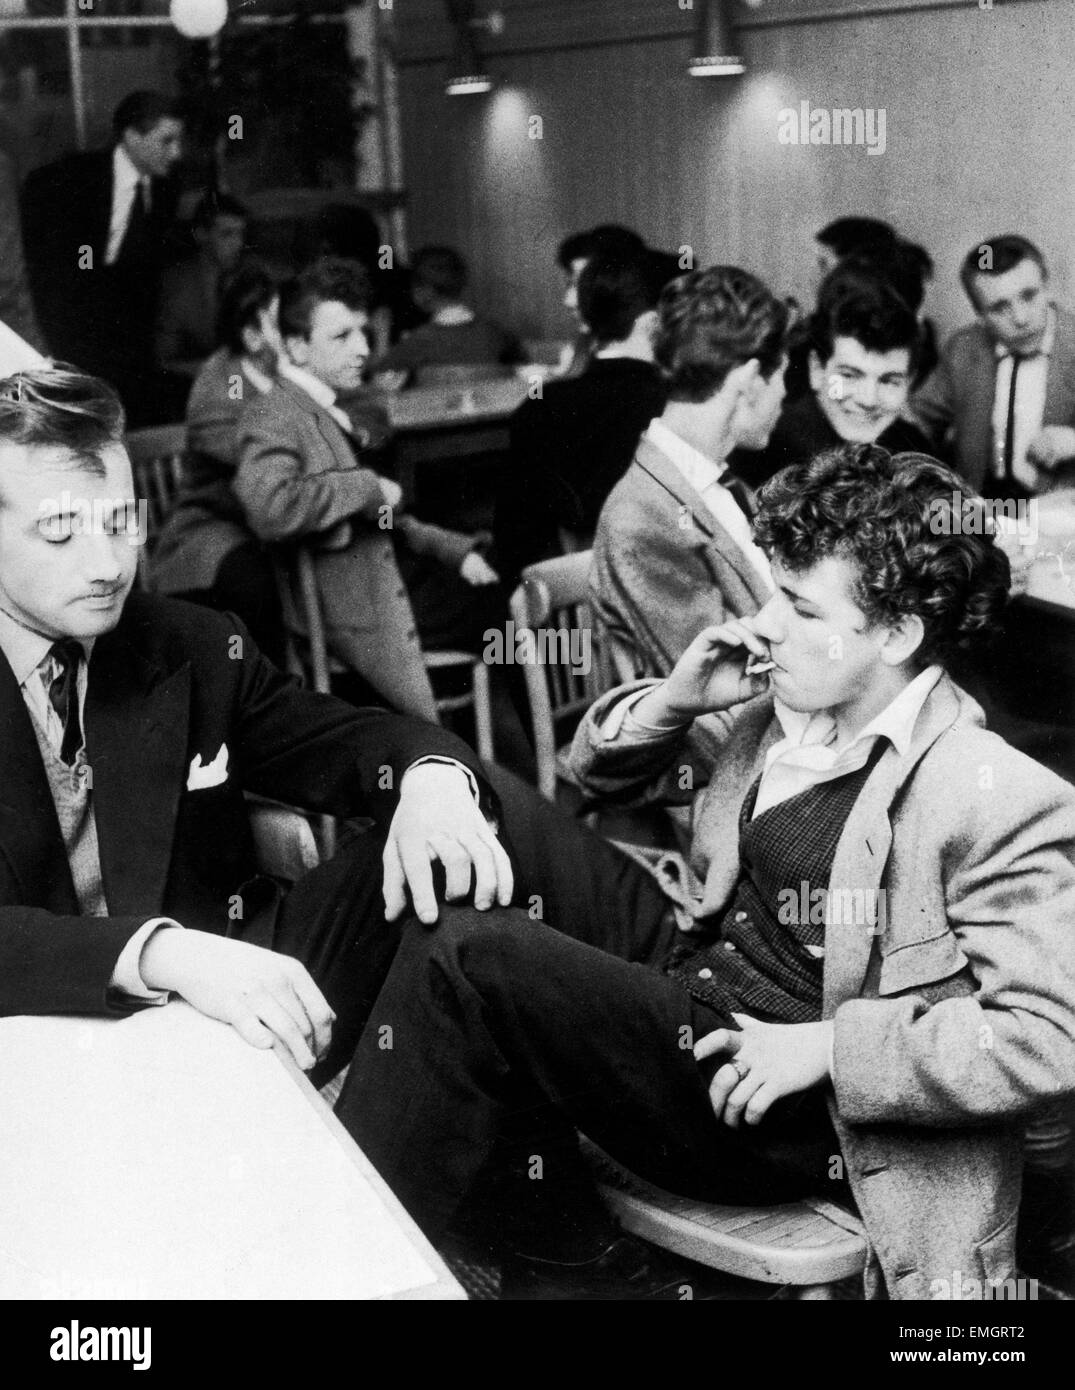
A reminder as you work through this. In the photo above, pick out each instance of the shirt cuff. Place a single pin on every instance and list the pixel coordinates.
(620, 719)
(127, 977)
(448, 762)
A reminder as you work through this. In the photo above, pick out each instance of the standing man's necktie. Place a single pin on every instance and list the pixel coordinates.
(136, 234)
(1009, 428)
(63, 695)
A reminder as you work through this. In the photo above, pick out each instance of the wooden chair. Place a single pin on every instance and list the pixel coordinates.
(307, 656)
(157, 459)
(808, 1246)
(553, 600)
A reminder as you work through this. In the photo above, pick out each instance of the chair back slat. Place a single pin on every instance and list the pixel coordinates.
(564, 671)
(158, 458)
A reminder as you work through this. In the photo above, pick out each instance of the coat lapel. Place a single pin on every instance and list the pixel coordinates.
(1060, 386)
(665, 473)
(30, 835)
(137, 718)
(863, 851)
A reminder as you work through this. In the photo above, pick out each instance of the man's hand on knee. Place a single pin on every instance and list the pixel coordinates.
(266, 997)
(438, 819)
(765, 1062)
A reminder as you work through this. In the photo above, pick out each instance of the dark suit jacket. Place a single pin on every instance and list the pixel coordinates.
(164, 687)
(664, 568)
(569, 448)
(100, 319)
(802, 431)
(186, 325)
(957, 400)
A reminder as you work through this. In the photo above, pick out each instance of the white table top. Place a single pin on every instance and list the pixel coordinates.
(161, 1157)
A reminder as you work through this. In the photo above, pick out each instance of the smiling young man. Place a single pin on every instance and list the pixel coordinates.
(863, 342)
(132, 727)
(1003, 394)
(888, 1054)
(310, 461)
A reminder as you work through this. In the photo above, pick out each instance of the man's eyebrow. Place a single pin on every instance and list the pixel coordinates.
(795, 596)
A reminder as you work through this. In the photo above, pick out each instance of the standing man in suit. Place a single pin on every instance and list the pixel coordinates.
(133, 725)
(870, 988)
(389, 584)
(673, 551)
(191, 291)
(1003, 395)
(96, 228)
(16, 301)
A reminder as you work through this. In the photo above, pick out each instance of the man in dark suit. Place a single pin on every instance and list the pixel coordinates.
(96, 228)
(192, 291)
(1003, 395)
(862, 350)
(572, 442)
(132, 727)
(673, 551)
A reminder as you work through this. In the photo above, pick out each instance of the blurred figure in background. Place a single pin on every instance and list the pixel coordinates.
(1003, 395)
(571, 256)
(16, 302)
(455, 337)
(98, 230)
(206, 551)
(191, 291)
(572, 443)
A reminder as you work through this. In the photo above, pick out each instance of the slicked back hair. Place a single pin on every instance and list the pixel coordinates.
(60, 407)
(997, 256)
(329, 280)
(712, 321)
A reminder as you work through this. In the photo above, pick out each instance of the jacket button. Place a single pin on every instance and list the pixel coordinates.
(740, 917)
(400, 593)
(729, 945)
(705, 974)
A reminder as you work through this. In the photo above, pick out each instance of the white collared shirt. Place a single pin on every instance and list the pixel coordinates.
(125, 182)
(453, 316)
(28, 654)
(1030, 387)
(316, 388)
(704, 475)
(805, 756)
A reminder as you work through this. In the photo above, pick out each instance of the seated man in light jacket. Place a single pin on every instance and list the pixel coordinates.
(673, 551)
(869, 988)
(303, 476)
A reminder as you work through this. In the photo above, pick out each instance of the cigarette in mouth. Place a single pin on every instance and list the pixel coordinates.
(756, 667)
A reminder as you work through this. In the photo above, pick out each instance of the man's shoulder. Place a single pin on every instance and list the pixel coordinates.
(171, 633)
(278, 408)
(973, 774)
(971, 340)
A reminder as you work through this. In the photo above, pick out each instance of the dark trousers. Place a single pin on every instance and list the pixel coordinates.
(496, 1036)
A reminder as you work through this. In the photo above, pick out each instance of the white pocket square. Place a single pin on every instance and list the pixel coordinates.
(211, 774)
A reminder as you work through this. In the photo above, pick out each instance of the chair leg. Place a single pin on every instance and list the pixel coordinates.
(483, 711)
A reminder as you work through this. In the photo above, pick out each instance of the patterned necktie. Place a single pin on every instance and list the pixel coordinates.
(63, 695)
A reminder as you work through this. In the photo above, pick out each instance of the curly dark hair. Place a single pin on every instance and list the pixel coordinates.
(712, 321)
(894, 516)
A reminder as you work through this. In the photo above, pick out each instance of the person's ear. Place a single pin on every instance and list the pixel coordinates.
(297, 348)
(742, 382)
(902, 639)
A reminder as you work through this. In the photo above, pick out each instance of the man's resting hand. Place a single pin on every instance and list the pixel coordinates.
(771, 1060)
(438, 819)
(266, 997)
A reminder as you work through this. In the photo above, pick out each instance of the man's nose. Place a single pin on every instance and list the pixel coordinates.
(101, 561)
(867, 391)
(767, 621)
